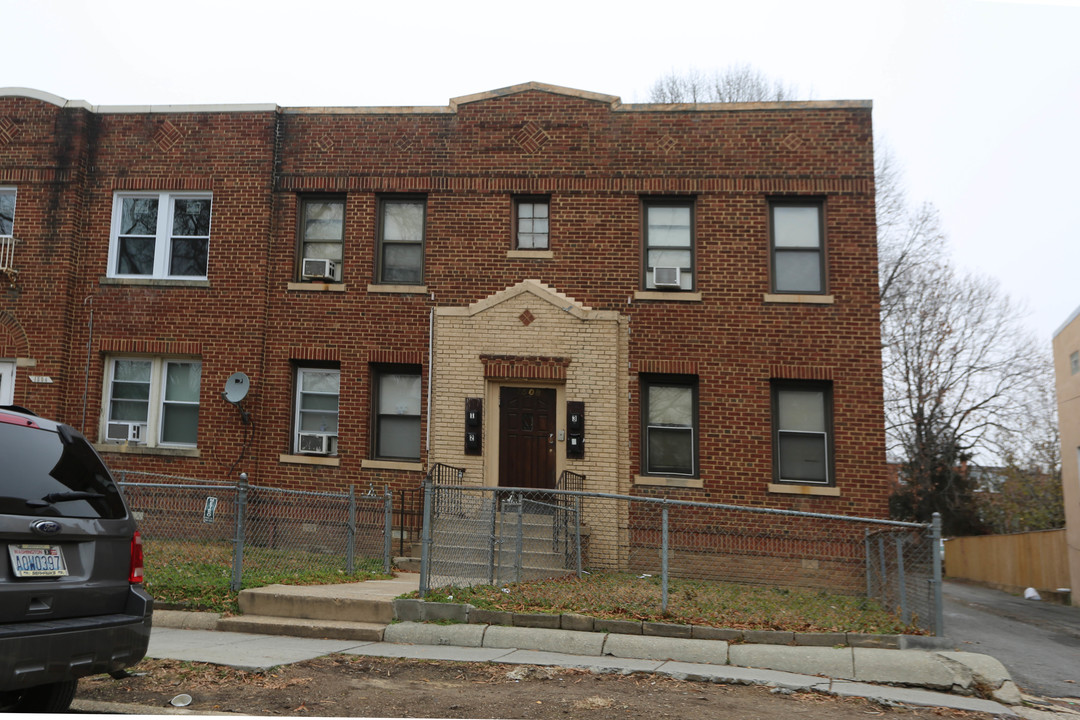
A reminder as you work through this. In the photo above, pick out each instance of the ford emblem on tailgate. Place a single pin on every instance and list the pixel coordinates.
(45, 527)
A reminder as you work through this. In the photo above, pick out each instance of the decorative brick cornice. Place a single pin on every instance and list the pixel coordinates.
(149, 347)
(525, 367)
(800, 372)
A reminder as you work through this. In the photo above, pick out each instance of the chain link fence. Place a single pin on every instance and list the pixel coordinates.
(196, 531)
(719, 564)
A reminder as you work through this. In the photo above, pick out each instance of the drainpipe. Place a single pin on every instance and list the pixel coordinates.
(431, 374)
(86, 370)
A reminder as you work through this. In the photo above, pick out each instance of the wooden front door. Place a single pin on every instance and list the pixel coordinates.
(527, 437)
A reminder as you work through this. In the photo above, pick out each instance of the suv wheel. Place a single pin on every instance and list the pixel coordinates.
(51, 698)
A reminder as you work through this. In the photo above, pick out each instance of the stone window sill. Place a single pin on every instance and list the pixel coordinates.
(129, 449)
(799, 299)
(316, 287)
(785, 489)
(310, 460)
(154, 282)
(676, 296)
(391, 465)
(398, 289)
(672, 482)
(530, 254)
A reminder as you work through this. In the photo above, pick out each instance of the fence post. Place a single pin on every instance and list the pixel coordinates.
(388, 527)
(939, 608)
(884, 574)
(664, 557)
(869, 567)
(901, 582)
(493, 530)
(425, 540)
(350, 532)
(520, 539)
(577, 533)
(238, 541)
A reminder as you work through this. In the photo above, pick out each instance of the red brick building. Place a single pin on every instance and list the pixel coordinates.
(675, 299)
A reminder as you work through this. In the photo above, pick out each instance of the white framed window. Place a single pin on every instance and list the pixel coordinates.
(316, 421)
(802, 432)
(797, 235)
(531, 226)
(160, 235)
(322, 234)
(401, 241)
(669, 424)
(397, 412)
(7, 228)
(7, 211)
(152, 401)
(669, 244)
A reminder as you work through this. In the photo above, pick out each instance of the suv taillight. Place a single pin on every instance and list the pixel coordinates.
(136, 574)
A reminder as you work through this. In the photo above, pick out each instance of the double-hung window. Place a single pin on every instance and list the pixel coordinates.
(153, 401)
(401, 241)
(802, 433)
(317, 399)
(669, 244)
(531, 223)
(322, 233)
(7, 228)
(798, 247)
(397, 412)
(669, 419)
(160, 235)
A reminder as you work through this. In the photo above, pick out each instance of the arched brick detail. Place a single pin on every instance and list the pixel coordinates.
(13, 340)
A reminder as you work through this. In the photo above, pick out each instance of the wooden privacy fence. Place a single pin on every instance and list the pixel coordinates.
(1011, 562)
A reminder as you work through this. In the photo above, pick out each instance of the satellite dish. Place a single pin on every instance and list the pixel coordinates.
(236, 387)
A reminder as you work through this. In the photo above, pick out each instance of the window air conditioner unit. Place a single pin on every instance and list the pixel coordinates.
(316, 444)
(669, 277)
(319, 269)
(126, 432)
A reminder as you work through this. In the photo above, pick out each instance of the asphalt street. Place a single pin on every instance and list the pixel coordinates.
(1039, 642)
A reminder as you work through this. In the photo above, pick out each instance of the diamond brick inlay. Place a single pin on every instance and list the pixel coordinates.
(325, 143)
(531, 137)
(526, 317)
(167, 135)
(403, 143)
(8, 129)
(666, 143)
(791, 141)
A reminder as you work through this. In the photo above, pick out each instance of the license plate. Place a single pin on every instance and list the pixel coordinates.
(37, 561)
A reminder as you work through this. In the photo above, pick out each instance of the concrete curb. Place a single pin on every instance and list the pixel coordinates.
(955, 672)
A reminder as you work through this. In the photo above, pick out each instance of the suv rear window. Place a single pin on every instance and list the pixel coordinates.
(49, 473)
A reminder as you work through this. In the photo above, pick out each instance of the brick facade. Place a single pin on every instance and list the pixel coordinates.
(575, 317)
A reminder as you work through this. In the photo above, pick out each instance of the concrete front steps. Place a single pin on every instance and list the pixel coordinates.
(350, 611)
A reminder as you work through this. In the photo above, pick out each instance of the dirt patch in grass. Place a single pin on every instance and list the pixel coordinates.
(344, 685)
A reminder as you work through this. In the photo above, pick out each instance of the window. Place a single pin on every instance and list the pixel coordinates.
(397, 412)
(802, 433)
(1074, 362)
(669, 244)
(316, 421)
(7, 212)
(798, 264)
(322, 231)
(531, 223)
(160, 235)
(669, 413)
(153, 401)
(401, 241)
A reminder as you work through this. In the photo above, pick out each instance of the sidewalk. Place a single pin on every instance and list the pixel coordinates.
(604, 653)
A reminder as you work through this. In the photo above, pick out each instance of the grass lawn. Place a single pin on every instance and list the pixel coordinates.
(730, 605)
(196, 575)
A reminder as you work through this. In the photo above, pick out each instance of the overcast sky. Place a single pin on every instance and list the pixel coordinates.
(978, 99)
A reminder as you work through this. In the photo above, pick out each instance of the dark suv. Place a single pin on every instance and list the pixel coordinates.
(71, 602)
